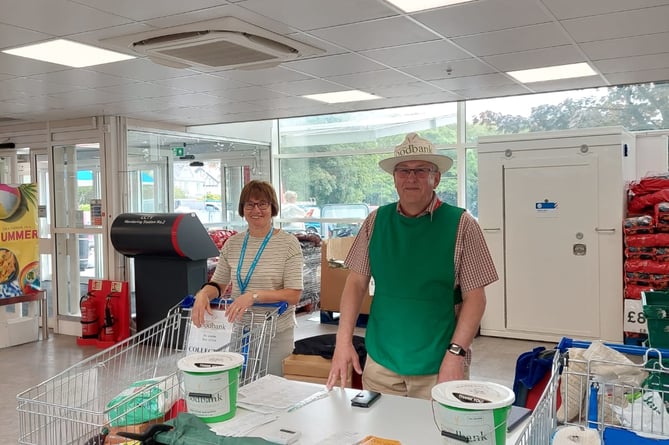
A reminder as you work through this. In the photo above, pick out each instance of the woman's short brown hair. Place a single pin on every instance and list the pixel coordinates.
(260, 190)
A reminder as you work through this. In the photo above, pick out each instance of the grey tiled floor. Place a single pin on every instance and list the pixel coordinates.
(25, 366)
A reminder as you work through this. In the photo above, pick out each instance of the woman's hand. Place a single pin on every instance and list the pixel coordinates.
(235, 310)
(200, 306)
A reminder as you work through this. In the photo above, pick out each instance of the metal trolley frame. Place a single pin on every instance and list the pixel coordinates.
(594, 400)
(73, 406)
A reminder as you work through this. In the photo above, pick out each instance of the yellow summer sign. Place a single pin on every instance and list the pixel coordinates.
(19, 247)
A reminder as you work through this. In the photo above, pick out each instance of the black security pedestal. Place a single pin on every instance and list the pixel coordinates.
(170, 252)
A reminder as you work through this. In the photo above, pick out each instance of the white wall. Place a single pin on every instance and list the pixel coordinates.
(651, 154)
(260, 131)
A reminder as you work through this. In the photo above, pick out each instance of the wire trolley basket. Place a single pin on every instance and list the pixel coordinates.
(136, 381)
(611, 393)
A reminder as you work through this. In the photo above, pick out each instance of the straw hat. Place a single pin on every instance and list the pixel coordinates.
(415, 148)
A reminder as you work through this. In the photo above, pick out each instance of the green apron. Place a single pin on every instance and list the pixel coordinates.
(412, 317)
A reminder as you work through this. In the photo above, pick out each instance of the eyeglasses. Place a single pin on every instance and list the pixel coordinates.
(422, 172)
(262, 205)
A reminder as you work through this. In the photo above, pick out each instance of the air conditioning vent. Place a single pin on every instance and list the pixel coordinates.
(223, 43)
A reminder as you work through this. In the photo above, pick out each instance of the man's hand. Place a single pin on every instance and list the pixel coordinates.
(452, 368)
(344, 355)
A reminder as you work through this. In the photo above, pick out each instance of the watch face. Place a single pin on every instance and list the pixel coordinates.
(456, 349)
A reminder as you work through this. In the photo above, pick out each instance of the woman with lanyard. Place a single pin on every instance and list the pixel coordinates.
(264, 265)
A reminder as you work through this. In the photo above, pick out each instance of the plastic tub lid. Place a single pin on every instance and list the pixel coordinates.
(473, 395)
(207, 362)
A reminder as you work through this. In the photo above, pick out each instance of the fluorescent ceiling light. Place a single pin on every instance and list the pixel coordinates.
(66, 52)
(421, 5)
(342, 96)
(553, 73)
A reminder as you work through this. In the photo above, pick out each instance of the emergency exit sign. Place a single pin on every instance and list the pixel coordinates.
(178, 151)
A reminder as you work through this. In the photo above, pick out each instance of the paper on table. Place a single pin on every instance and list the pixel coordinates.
(341, 437)
(242, 424)
(273, 394)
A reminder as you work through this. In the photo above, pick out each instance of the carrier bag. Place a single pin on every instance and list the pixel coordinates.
(533, 370)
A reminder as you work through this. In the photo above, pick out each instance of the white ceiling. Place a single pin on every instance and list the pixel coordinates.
(445, 54)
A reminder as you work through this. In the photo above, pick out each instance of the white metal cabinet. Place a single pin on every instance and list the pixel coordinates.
(551, 207)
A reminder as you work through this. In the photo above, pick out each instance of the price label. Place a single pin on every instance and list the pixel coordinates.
(634, 319)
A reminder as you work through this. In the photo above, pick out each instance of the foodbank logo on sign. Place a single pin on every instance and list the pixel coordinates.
(15, 201)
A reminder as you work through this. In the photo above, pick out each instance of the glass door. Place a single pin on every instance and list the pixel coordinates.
(79, 243)
(39, 165)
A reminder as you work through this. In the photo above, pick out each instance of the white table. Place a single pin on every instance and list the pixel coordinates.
(407, 420)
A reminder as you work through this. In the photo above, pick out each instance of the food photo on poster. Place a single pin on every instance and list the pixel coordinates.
(19, 254)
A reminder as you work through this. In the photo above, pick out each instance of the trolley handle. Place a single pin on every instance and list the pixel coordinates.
(566, 343)
(189, 300)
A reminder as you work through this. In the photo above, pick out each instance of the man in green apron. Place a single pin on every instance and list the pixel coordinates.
(430, 265)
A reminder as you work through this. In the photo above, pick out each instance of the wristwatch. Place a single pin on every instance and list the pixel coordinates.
(456, 349)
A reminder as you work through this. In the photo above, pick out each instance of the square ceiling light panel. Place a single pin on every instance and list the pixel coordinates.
(66, 52)
(342, 96)
(553, 73)
(422, 5)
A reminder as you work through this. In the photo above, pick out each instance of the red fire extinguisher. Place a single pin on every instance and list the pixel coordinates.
(107, 333)
(89, 316)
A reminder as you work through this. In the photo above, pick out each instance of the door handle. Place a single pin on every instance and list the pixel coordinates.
(598, 230)
(494, 229)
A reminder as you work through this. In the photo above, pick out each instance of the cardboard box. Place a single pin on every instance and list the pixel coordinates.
(334, 278)
(309, 368)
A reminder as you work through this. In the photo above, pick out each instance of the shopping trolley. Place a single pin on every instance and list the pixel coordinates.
(135, 380)
(625, 402)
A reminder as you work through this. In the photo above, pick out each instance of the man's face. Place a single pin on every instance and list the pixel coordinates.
(415, 180)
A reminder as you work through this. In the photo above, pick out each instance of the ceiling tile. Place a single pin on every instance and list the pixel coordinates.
(334, 65)
(376, 34)
(72, 18)
(537, 58)
(464, 83)
(370, 80)
(21, 66)
(12, 36)
(136, 105)
(544, 35)
(84, 97)
(619, 24)
(135, 10)
(567, 9)
(246, 94)
(417, 53)
(492, 91)
(141, 90)
(568, 84)
(81, 78)
(33, 87)
(410, 89)
(302, 87)
(483, 16)
(194, 100)
(458, 68)
(637, 76)
(638, 63)
(627, 46)
(140, 69)
(317, 42)
(200, 83)
(313, 14)
(262, 77)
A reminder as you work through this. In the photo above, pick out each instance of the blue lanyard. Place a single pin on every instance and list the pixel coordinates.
(243, 284)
